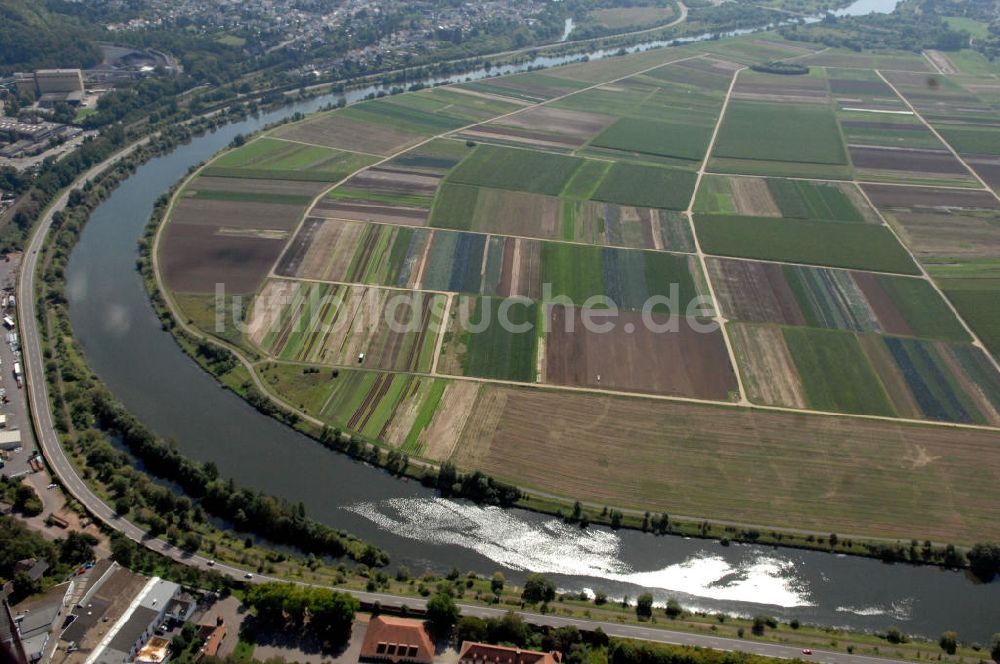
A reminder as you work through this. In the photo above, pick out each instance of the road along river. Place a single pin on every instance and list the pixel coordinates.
(156, 381)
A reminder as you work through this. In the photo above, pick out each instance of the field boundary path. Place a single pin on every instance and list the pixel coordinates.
(62, 467)
(689, 212)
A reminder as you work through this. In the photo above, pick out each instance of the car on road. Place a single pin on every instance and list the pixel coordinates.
(52, 486)
(807, 651)
(211, 563)
(248, 575)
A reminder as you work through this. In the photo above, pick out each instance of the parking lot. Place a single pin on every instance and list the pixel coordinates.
(13, 400)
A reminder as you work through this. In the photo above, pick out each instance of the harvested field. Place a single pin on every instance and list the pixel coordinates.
(862, 477)
(337, 130)
(633, 357)
(533, 86)
(197, 257)
(932, 163)
(334, 325)
(768, 372)
(578, 124)
(439, 439)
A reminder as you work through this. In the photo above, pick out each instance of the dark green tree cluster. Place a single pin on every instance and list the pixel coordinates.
(475, 486)
(324, 613)
(36, 38)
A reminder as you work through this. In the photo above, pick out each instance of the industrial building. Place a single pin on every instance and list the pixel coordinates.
(59, 85)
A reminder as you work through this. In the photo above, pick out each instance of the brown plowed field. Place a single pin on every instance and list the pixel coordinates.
(832, 474)
(394, 181)
(887, 196)
(196, 257)
(939, 162)
(753, 291)
(337, 130)
(235, 214)
(547, 119)
(686, 363)
(399, 215)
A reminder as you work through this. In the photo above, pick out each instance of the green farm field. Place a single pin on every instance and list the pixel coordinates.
(834, 244)
(762, 132)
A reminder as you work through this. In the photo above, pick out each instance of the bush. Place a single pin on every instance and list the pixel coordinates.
(895, 635)
(538, 589)
(949, 642)
(644, 606)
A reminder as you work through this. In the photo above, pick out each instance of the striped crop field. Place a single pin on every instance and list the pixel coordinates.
(341, 325)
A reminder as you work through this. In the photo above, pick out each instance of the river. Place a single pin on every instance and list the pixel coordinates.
(148, 372)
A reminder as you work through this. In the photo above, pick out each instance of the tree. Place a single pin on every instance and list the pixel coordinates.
(26, 500)
(995, 648)
(673, 609)
(77, 548)
(538, 589)
(497, 584)
(984, 559)
(442, 614)
(644, 606)
(896, 635)
(331, 614)
(470, 628)
(759, 624)
(600, 597)
(949, 642)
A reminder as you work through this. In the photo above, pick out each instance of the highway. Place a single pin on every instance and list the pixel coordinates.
(61, 467)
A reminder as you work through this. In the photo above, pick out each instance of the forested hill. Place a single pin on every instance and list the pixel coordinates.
(32, 37)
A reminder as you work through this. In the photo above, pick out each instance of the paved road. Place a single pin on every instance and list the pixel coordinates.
(63, 469)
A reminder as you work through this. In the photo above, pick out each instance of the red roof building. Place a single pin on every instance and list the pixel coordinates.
(397, 640)
(483, 653)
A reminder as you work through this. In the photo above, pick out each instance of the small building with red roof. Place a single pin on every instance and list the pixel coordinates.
(484, 653)
(397, 640)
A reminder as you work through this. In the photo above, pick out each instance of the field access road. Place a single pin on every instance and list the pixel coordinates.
(63, 468)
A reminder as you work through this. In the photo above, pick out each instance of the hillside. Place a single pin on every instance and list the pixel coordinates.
(34, 37)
